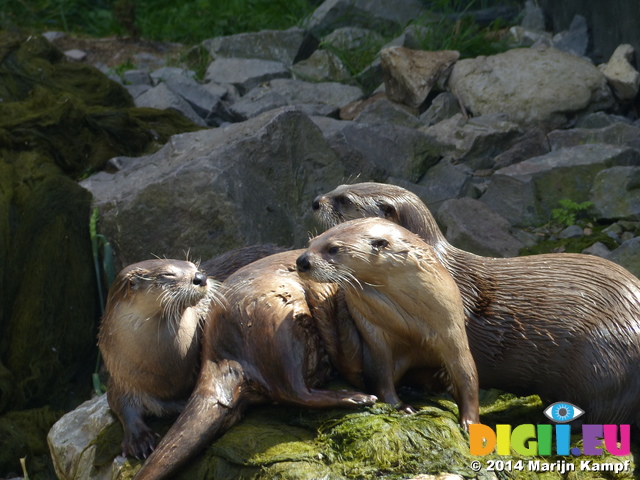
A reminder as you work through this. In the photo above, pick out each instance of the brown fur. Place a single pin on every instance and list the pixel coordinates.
(265, 345)
(150, 340)
(564, 326)
(405, 304)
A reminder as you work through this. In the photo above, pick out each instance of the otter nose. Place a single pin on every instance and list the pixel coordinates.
(316, 202)
(303, 263)
(200, 279)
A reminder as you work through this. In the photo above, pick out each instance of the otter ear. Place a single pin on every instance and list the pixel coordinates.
(378, 244)
(135, 279)
(387, 210)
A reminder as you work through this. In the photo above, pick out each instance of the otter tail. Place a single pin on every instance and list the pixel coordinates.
(215, 405)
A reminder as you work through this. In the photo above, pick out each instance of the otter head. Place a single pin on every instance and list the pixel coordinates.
(368, 250)
(161, 288)
(370, 199)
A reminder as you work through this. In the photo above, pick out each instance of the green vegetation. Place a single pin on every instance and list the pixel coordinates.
(189, 21)
(569, 212)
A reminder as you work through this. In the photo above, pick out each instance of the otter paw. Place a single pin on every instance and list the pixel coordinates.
(363, 399)
(404, 408)
(140, 445)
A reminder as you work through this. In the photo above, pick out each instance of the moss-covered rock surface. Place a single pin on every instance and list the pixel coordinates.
(278, 442)
(58, 121)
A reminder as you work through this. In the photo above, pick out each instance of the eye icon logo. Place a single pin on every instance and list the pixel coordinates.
(563, 412)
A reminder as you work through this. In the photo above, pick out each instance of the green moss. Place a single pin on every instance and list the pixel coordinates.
(23, 434)
(570, 245)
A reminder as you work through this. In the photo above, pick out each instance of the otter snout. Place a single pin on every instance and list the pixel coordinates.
(200, 279)
(303, 264)
(316, 202)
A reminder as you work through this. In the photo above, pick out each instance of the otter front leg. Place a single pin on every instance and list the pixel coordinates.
(379, 374)
(314, 398)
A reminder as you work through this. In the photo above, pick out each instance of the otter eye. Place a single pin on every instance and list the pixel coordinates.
(167, 275)
(343, 200)
(332, 250)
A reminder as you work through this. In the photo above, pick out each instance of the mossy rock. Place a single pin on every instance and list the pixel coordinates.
(376, 442)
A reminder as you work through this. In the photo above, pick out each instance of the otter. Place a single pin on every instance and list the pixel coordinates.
(405, 303)
(149, 340)
(263, 345)
(563, 326)
(150, 336)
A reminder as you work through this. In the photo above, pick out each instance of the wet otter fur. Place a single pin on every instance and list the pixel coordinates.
(150, 342)
(405, 304)
(563, 326)
(264, 345)
(150, 336)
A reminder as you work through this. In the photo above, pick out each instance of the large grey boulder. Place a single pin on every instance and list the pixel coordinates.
(374, 14)
(531, 85)
(620, 73)
(444, 181)
(377, 151)
(284, 46)
(525, 193)
(616, 193)
(245, 73)
(472, 226)
(474, 141)
(320, 98)
(214, 190)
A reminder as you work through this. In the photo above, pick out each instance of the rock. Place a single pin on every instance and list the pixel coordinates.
(162, 98)
(377, 151)
(72, 442)
(378, 15)
(351, 38)
(533, 17)
(532, 86)
(442, 182)
(322, 98)
(321, 66)
(572, 231)
(136, 90)
(615, 134)
(53, 36)
(616, 193)
(353, 109)
(245, 73)
(619, 72)
(284, 46)
(576, 39)
(136, 77)
(525, 193)
(443, 107)
(409, 75)
(598, 249)
(206, 104)
(163, 73)
(75, 54)
(524, 37)
(600, 120)
(474, 141)
(628, 255)
(212, 190)
(472, 226)
(532, 143)
(386, 111)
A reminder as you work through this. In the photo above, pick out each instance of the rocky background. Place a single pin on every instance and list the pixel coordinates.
(534, 149)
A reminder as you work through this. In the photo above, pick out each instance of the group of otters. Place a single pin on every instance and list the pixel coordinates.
(380, 297)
